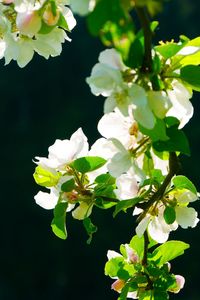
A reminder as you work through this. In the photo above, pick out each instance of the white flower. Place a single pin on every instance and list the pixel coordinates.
(106, 75)
(157, 227)
(62, 152)
(182, 108)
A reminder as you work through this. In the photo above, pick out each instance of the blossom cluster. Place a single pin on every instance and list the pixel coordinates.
(133, 165)
(28, 26)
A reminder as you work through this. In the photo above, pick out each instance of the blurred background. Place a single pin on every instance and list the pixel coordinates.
(48, 100)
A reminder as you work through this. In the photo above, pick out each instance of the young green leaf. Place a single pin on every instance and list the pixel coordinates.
(113, 266)
(191, 75)
(58, 223)
(177, 142)
(182, 182)
(90, 228)
(105, 178)
(88, 163)
(103, 203)
(68, 186)
(125, 204)
(168, 251)
(169, 215)
(168, 50)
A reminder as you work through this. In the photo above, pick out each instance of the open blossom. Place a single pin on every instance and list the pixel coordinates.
(107, 80)
(62, 152)
(124, 136)
(23, 34)
(154, 219)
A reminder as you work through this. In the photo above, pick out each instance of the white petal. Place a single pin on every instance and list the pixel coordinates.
(181, 108)
(112, 254)
(109, 104)
(80, 143)
(186, 196)
(142, 226)
(112, 58)
(159, 230)
(188, 50)
(82, 211)
(159, 103)
(186, 216)
(115, 125)
(120, 163)
(127, 187)
(46, 200)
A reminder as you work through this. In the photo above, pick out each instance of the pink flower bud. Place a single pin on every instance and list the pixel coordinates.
(131, 254)
(118, 285)
(180, 281)
(28, 23)
(7, 1)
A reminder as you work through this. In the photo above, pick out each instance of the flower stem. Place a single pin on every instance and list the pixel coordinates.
(146, 243)
(145, 23)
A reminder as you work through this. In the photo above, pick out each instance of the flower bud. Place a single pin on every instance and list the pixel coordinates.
(7, 1)
(180, 281)
(49, 18)
(28, 23)
(118, 285)
(131, 254)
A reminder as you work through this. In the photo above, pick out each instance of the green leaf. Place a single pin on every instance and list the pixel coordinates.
(62, 22)
(103, 203)
(124, 292)
(90, 228)
(136, 53)
(160, 295)
(105, 191)
(105, 178)
(137, 244)
(125, 204)
(113, 266)
(158, 133)
(88, 163)
(68, 186)
(58, 223)
(169, 50)
(105, 10)
(177, 142)
(191, 75)
(45, 29)
(168, 251)
(182, 182)
(45, 177)
(169, 215)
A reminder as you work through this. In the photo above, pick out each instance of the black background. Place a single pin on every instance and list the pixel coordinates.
(48, 100)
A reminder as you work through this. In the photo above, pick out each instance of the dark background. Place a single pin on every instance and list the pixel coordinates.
(49, 100)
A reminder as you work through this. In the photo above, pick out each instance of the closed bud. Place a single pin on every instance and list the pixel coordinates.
(118, 285)
(28, 23)
(49, 18)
